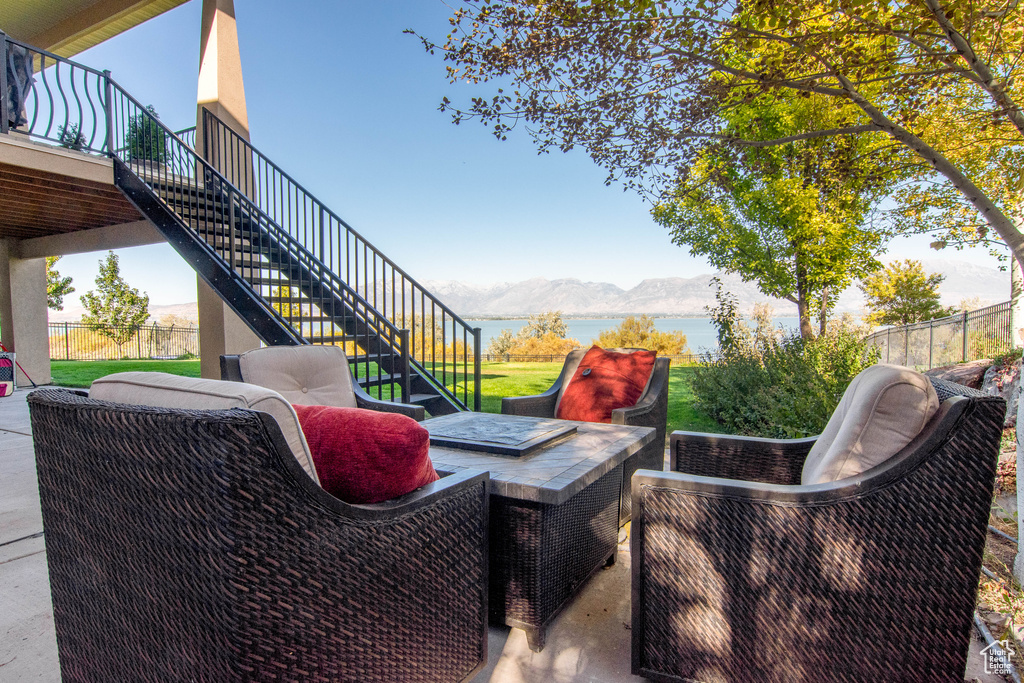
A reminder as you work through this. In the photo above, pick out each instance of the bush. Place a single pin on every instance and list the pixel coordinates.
(543, 335)
(778, 385)
(639, 332)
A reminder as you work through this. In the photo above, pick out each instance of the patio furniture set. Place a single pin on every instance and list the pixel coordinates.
(189, 536)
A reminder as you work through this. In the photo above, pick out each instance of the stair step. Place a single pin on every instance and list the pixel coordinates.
(385, 378)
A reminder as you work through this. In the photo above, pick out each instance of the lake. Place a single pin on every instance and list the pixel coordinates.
(700, 332)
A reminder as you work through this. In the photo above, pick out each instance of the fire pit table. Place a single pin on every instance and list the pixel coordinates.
(555, 488)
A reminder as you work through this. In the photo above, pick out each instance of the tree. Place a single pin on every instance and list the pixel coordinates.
(791, 218)
(57, 287)
(643, 85)
(502, 344)
(903, 294)
(115, 310)
(542, 323)
(638, 332)
(147, 141)
(544, 334)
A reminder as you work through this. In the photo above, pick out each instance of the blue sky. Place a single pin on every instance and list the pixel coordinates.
(347, 104)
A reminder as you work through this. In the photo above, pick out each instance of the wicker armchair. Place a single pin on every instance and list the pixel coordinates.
(191, 545)
(869, 578)
(308, 375)
(650, 411)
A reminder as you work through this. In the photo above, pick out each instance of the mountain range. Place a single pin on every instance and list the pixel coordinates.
(674, 297)
(671, 297)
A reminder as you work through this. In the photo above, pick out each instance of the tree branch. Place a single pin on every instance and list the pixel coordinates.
(987, 80)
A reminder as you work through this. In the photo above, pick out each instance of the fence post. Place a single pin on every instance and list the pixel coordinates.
(888, 343)
(4, 114)
(138, 343)
(906, 346)
(931, 341)
(965, 338)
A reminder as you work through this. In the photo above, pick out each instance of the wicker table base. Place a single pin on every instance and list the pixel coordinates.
(554, 517)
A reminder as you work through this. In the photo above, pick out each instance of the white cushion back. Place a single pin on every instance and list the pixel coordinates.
(304, 375)
(159, 389)
(883, 409)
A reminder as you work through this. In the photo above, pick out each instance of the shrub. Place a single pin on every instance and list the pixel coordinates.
(543, 335)
(639, 332)
(778, 385)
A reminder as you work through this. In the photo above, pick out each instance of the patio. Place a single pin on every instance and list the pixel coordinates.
(590, 641)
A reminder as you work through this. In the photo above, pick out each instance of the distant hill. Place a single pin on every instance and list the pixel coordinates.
(672, 297)
(188, 311)
(682, 296)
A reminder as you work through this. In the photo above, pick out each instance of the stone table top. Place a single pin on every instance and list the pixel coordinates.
(553, 473)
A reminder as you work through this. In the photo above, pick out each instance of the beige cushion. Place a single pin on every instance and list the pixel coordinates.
(162, 390)
(883, 409)
(304, 375)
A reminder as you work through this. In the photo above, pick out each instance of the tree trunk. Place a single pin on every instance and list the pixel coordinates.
(823, 312)
(803, 309)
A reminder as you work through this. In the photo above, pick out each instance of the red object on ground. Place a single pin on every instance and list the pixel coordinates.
(604, 381)
(5, 349)
(365, 456)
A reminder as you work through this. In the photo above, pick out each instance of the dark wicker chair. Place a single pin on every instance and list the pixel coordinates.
(650, 411)
(231, 370)
(192, 546)
(870, 578)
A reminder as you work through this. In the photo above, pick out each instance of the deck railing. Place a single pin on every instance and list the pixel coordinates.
(47, 97)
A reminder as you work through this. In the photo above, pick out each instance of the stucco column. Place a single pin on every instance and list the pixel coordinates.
(23, 313)
(222, 92)
(220, 331)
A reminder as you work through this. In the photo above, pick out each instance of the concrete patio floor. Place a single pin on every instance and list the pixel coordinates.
(590, 641)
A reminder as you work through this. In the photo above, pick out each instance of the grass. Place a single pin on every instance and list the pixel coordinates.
(81, 373)
(496, 380)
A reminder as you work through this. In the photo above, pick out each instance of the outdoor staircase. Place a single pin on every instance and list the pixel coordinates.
(285, 293)
(284, 262)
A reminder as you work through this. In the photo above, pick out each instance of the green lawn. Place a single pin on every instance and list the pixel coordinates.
(496, 379)
(81, 373)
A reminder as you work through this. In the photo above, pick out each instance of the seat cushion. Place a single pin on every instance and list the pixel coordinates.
(304, 375)
(162, 390)
(883, 409)
(365, 456)
(603, 381)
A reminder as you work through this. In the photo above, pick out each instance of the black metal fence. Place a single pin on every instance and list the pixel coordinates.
(78, 341)
(966, 336)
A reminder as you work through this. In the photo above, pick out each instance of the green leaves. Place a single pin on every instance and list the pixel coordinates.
(115, 310)
(57, 287)
(903, 294)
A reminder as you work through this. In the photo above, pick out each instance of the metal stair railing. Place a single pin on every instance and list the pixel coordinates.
(442, 344)
(257, 251)
(232, 244)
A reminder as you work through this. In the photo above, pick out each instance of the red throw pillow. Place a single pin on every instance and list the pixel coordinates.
(365, 456)
(604, 381)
